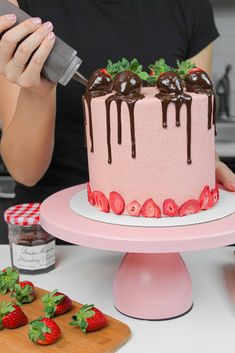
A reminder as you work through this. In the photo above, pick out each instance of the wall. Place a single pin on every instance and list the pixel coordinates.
(224, 49)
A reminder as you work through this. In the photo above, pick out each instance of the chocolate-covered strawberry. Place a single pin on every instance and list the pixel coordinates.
(197, 80)
(11, 316)
(100, 82)
(23, 292)
(170, 83)
(126, 83)
(8, 278)
(56, 303)
(89, 319)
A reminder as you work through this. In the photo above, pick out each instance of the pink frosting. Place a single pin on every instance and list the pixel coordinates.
(160, 169)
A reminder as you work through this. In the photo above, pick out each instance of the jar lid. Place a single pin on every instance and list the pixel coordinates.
(26, 214)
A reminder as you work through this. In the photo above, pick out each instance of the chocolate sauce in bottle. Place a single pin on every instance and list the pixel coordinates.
(62, 63)
(170, 87)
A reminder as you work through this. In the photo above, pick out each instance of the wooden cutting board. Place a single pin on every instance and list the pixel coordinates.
(106, 340)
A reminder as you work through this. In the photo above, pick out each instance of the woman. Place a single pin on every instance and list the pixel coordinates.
(42, 143)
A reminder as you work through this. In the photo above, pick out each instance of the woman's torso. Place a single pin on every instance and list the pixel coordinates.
(100, 30)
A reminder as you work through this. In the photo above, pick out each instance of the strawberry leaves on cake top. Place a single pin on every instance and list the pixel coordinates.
(184, 67)
(125, 65)
(159, 67)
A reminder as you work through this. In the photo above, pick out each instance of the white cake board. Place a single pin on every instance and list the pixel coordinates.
(225, 207)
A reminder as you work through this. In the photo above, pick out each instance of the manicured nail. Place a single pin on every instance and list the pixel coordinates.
(11, 17)
(51, 36)
(47, 25)
(36, 20)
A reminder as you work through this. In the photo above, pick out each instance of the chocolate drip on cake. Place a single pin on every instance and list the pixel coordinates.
(99, 84)
(170, 87)
(197, 81)
(128, 86)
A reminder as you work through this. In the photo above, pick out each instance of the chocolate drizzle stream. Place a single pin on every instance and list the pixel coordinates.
(130, 100)
(171, 91)
(99, 84)
(199, 82)
(127, 86)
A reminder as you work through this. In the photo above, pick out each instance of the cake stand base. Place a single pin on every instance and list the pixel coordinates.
(153, 282)
(153, 286)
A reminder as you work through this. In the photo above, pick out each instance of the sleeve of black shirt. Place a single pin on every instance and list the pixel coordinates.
(202, 29)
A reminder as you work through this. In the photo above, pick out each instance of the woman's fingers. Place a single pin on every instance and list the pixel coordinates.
(7, 21)
(31, 43)
(12, 37)
(31, 75)
(225, 176)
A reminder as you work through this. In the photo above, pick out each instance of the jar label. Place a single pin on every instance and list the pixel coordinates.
(33, 257)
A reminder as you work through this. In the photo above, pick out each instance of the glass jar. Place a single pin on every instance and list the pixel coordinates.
(32, 248)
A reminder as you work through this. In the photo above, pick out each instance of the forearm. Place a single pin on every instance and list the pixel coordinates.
(28, 142)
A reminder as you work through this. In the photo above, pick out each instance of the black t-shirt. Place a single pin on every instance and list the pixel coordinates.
(110, 29)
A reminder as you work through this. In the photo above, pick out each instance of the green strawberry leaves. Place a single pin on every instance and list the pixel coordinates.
(184, 67)
(23, 295)
(125, 65)
(50, 302)
(156, 69)
(5, 309)
(8, 279)
(160, 66)
(80, 318)
(37, 329)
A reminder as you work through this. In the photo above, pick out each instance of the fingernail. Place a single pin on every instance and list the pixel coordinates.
(47, 25)
(11, 17)
(36, 20)
(51, 36)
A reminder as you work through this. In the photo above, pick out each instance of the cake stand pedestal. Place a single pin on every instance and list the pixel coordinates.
(152, 282)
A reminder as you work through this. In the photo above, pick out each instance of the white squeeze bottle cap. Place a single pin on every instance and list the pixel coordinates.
(62, 63)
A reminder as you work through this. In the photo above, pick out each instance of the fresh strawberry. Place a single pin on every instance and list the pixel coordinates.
(117, 203)
(89, 319)
(104, 71)
(101, 201)
(11, 316)
(90, 195)
(44, 331)
(150, 209)
(170, 208)
(134, 208)
(189, 207)
(56, 303)
(195, 69)
(215, 195)
(206, 199)
(23, 292)
(8, 279)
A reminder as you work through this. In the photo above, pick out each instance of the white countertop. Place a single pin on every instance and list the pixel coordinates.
(87, 276)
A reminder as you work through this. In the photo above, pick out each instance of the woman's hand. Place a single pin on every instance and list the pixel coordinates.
(225, 176)
(22, 65)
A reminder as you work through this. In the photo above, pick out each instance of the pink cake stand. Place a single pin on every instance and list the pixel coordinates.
(152, 282)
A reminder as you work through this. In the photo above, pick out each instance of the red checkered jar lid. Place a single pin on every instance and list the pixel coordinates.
(26, 214)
